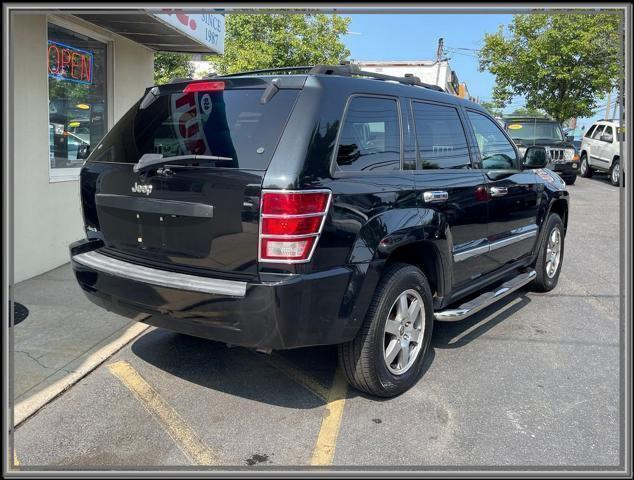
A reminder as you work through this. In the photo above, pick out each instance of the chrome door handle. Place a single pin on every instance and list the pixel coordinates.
(498, 191)
(436, 196)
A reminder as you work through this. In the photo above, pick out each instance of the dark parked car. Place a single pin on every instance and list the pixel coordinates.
(563, 155)
(315, 208)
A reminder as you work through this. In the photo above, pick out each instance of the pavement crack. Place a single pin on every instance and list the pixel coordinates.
(35, 359)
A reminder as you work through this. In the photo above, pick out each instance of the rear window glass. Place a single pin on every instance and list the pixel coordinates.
(229, 123)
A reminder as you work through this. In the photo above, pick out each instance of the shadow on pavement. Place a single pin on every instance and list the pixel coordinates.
(244, 373)
(238, 371)
(457, 334)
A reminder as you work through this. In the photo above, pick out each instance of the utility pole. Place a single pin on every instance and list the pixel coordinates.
(439, 53)
(607, 106)
(616, 104)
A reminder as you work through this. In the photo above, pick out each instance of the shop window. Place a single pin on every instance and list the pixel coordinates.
(77, 106)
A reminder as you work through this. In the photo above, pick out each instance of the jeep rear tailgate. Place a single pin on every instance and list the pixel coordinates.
(194, 212)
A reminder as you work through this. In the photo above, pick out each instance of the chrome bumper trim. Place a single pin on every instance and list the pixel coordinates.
(163, 278)
(467, 309)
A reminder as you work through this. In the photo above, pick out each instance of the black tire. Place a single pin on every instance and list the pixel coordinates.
(544, 282)
(570, 180)
(584, 167)
(362, 359)
(616, 182)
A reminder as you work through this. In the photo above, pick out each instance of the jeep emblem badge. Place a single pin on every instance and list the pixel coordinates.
(147, 189)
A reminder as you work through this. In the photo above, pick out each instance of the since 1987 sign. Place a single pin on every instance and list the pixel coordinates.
(207, 29)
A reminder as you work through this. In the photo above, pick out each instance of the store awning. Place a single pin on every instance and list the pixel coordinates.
(167, 31)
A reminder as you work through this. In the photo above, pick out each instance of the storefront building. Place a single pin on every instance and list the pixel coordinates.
(73, 77)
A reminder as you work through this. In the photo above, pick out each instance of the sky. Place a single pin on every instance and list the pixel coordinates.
(415, 37)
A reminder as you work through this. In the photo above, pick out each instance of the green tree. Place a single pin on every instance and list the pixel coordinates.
(528, 111)
(494, 108)
(254, 41)
(171, 65)
(561, 63)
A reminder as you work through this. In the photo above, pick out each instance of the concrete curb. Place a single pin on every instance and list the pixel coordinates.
(79, 368)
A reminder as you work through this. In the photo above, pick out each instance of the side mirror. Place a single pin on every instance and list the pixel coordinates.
(570, 138)
(83, 151)
(606, 137)
(535, 157)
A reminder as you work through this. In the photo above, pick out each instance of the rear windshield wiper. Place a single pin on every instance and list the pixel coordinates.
(153, 159)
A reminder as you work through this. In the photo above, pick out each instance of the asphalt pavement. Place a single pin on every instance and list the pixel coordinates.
(530, 382)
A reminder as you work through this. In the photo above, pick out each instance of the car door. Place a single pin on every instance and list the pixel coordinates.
(594, 147)
(447, 183)
(604, 147)
(513, 193)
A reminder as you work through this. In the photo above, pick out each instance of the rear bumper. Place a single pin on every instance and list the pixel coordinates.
(294, 311)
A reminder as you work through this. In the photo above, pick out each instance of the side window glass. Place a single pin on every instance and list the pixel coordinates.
(440, 137)
(496, 150)
(370, 138)
(590, 130)
(597, 133)
(607, 132)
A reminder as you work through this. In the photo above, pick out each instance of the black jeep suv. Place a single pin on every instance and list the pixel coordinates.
(315, 206)
(562, 153)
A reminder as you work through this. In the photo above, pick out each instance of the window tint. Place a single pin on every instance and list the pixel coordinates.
(607, 131)
(440, 137)
(590, 130)
(597, 133)
(370, 138)
(228, 123)
(496, 150)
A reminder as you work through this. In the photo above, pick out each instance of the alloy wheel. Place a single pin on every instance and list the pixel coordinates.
(553, 252)
(403, 333)
(616, 171)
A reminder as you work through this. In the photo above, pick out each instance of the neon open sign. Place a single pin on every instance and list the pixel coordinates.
(69, 63)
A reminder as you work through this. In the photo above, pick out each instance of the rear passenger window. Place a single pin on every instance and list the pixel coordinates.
(440, 137)
(370, 138)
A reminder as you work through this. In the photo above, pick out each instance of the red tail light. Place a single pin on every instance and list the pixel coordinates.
(291, 224)
(204, 87)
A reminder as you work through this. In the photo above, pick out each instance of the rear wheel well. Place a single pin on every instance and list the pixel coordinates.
(425, 256)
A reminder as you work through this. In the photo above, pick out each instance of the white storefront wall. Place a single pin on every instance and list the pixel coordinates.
(46, 215)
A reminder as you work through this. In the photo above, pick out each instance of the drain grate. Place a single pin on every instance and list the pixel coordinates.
(20, 312)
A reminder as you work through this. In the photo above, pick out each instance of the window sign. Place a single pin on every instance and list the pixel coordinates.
(69, 63)
(77, 90)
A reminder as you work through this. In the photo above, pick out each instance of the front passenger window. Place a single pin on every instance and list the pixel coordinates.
(496, 150)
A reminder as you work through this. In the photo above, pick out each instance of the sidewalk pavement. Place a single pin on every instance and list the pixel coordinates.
(63, 338)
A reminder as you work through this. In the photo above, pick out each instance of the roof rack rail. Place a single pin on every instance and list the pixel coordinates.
(349, 69)
(345, 69)
(269, 70)
(180, 80)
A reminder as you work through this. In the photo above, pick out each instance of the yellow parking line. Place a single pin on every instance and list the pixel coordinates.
(184, 437)
(324, 451)
(335, 398)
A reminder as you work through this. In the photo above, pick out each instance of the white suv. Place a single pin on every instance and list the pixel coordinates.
(600, 150)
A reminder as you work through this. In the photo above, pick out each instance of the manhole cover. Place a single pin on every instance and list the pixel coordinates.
(20, 312)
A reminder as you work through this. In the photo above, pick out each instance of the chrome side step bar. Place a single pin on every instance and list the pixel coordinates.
(479, 303)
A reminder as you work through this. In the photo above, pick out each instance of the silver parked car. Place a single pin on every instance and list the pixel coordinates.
(600, 150)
